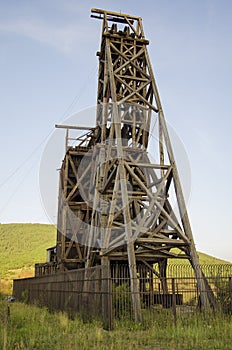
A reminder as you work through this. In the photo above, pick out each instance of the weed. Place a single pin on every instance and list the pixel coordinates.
(31, 327)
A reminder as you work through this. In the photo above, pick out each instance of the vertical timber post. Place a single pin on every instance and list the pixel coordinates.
(174, 300)
(106, 294)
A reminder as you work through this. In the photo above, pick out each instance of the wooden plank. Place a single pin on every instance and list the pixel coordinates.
(156, 240)
(78, 182)
(74, 127)
(151, 268)
(112, 209)
(130, 61)
(111, 13)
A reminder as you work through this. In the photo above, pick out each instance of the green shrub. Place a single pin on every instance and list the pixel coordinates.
(25, 296)
(224, 294)
(122, 302)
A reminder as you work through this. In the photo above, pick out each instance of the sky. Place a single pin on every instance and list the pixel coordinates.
(48, 71)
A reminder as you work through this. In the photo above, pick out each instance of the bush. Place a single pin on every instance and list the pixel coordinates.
(224, 294)
(122, 302)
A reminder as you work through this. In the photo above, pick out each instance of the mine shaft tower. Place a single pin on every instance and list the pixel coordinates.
(117, 206)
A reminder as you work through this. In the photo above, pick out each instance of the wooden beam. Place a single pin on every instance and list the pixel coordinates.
(111, 13)
(75, 127)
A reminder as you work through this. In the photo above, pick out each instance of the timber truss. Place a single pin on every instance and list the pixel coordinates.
(116, 205)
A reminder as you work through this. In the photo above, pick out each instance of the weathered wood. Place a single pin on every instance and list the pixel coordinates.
(107, 294)
(123, 185)
(75, 127)
(130, 215)
(111, 13)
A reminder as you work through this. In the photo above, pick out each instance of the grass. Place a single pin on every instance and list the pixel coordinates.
(21, 246)
(33, 328)
(204, 259)
(30, 327)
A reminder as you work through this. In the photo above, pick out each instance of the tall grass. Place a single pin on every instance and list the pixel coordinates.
(30, 327)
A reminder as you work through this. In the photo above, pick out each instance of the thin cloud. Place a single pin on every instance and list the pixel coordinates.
(65, 38)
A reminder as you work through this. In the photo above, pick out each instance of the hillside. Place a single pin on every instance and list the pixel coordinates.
(23, 245)
(203, 259)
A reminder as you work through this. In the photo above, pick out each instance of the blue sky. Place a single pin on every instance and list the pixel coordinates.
(48, 70)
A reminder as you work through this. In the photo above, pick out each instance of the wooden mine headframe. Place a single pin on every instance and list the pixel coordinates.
(115, 204)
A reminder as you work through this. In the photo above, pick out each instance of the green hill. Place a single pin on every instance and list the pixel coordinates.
(203, 259)
(23, 245)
